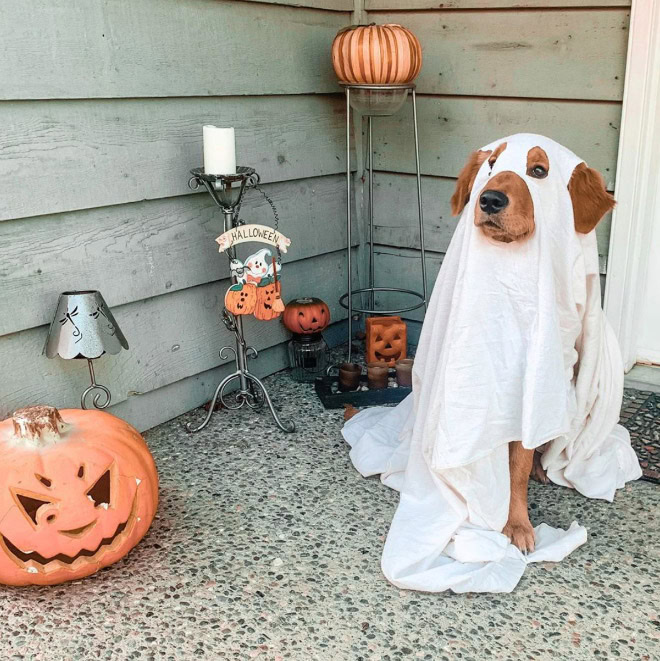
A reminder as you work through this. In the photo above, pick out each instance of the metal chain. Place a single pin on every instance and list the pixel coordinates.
(257, 187)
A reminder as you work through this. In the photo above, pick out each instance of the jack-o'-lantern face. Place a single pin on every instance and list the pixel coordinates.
(386, 339)
(266, 296)
(69, 509)
(73, 519)
(306, 316)
(241, 299)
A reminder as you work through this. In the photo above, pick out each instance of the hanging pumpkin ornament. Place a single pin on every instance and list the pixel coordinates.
(78, 490)
(266, 301)
(241, 298)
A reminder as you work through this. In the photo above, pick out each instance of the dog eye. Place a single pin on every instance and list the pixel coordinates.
(538, 172)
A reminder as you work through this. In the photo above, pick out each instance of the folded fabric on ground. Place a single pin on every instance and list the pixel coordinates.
(514, 346)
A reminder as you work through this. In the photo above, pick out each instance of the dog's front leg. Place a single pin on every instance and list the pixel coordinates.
(519, 528)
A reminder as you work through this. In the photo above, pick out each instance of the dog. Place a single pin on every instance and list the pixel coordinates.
(505, 213)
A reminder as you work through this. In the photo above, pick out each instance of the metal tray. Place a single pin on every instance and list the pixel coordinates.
(358, 398)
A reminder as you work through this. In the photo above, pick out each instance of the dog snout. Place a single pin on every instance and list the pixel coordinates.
(493, 201)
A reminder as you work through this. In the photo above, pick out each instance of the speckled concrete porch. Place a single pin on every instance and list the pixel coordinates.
(268, 546)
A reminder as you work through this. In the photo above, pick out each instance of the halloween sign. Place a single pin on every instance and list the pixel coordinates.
(257, 288)
(78, 490)
(260, 233)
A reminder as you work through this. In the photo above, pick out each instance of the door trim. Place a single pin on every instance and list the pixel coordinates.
(636, 179)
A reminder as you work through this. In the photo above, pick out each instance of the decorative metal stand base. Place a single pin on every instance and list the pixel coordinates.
(227, 192)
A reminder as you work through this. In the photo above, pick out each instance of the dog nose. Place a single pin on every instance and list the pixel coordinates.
(493, 201)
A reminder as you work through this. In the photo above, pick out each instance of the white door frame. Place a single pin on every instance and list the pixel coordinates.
(636, 179)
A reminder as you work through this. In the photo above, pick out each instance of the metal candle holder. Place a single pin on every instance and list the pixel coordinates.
(227, 192)
(83, 328)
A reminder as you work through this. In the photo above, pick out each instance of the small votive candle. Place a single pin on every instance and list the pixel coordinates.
(377, 375)
(349, 376)
(404, 372)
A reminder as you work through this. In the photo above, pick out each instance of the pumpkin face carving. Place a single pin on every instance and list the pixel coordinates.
(266, 296)
(241, 299)
(386, 339)
(305, 316)
(77, 492)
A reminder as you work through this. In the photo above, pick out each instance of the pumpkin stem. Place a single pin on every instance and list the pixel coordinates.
(38, 423)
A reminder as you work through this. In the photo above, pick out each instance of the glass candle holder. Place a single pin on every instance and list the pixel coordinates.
(349, 376)
(404, 372)
(308, 357)
(377, 374)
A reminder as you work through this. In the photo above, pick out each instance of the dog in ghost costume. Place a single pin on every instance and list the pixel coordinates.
(515, 355)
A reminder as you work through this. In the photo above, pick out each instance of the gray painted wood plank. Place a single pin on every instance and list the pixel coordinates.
(134, 251)
(540, 54)
(149, 409)
(63, 49)
(171, 337)
(393, 5)
(400, 267)
(452, 127)
(157, 406)
(65, 155)
(395, 213)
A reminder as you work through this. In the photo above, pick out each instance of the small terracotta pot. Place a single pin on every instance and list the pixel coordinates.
(377, 373)
(404, 372)
(349, 376)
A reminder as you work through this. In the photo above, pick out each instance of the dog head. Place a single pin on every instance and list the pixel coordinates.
(504, 210)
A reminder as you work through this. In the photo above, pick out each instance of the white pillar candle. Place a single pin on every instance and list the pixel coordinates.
(219, 150)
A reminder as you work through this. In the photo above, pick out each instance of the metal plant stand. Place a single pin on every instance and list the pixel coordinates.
(378, 101)
(227, 192)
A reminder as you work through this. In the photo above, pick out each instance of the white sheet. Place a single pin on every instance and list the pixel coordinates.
(514, 346)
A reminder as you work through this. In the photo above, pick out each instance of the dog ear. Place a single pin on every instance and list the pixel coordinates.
(590, 198)
(465, 180)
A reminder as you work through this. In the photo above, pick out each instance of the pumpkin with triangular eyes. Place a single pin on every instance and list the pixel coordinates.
(267, 296)
(386, 339)
(78, 490)
(306, 316)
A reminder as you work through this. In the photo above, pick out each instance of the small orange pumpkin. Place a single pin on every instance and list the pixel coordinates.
(241, 298)
(376, 55)
(267, 295)
(386, 339)
(305, 316)
(78, 490)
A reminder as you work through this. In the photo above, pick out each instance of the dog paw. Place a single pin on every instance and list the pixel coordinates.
(521, 534)
(538, 473)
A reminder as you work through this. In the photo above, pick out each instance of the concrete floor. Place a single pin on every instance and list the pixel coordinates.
(268, 546)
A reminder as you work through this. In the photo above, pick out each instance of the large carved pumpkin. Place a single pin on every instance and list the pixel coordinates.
(376, 55)
(306, 316)
(241, 298)
(266, 307)
(78, 490)
(386, 339)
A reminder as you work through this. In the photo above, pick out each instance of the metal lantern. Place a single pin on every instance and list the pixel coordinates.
(83, 328)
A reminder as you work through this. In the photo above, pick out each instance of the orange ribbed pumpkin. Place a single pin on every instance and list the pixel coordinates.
(78, 490)
(376, 55)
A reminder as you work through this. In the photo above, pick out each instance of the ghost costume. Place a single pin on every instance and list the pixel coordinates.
(514, 346)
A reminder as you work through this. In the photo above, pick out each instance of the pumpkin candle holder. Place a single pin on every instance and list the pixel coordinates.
(258, 294)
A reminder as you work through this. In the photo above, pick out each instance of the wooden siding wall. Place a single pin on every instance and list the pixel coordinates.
(492, 68)
(101, 109)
